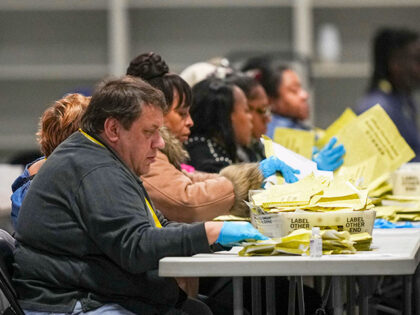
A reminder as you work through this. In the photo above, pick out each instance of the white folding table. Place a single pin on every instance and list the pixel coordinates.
(395, 252)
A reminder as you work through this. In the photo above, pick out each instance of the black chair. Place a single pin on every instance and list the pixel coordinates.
(7, 245)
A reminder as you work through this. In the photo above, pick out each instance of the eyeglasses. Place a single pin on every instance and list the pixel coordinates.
(261, 111)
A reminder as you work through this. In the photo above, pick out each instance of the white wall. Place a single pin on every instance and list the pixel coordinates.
(46, 53)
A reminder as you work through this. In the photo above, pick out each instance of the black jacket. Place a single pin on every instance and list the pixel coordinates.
(207, 155)
(85, 233)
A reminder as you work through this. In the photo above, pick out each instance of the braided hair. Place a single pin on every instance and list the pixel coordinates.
(153, 69)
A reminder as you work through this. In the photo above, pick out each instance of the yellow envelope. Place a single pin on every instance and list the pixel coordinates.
(374, 147)
(385, 212)
(346, 117)
(297, 235)
(354, 204)
(381, 190)
(229, 217)
(298, 193)
(269, 151)
(299, 141)
(405, 217)
(268, 146)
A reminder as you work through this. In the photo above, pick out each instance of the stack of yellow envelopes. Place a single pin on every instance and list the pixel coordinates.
(297, 243)
(399, 208)
(312, 193)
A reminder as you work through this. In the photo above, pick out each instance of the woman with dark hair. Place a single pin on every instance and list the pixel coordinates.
(181, 195)
(197, 196)
(260, 110)
(288, 99)
(224, 124)
(396, 74)
(289, 107)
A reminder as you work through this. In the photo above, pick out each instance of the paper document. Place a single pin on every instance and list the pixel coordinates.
(346, 117)
(297, 161)
(374, 148)
(299, 141)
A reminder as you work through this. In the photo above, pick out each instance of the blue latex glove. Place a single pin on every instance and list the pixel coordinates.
(234, 232)
(329, 158)
(384, 224)
(272, 165)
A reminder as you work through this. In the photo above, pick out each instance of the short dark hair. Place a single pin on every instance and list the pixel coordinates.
(211, 112)
(386, 44)
(268, 75)
(123, 99)
(153, 69)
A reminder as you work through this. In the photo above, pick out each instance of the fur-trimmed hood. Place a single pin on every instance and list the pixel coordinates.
(173, 148)
(243, 176)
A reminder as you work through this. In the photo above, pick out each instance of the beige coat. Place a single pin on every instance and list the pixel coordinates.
(191, 197)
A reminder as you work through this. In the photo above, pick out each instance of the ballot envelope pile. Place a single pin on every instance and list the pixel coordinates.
(404, 202)
(401, 203)
(396, 208)
(336, 204)
(297, 243)
(374, 150)
(344, 200)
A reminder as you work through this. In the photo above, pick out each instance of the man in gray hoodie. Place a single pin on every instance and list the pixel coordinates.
(88, 237)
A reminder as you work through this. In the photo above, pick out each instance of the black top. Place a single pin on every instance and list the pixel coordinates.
(207, 155)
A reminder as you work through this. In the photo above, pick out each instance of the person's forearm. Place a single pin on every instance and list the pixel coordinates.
(212, 231)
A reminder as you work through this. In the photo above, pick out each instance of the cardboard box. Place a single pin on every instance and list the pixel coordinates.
(281, 224)
(406, 180)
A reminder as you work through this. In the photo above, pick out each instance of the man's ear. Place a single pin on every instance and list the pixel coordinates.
(112, 129)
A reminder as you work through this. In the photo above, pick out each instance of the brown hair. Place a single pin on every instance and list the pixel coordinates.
(60, 120)
(123, 99)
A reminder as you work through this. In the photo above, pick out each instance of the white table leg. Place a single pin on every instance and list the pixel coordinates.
(351, 294)
(318, 284)
(256, 295)
(363, 296)
(416, 291)
(337, 295)
(238, 305)
(292, 294)
(301, 298)
(408, 289)
(270, 293)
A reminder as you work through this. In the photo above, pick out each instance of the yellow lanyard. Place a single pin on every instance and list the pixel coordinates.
(155, 218)
(91, 138)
